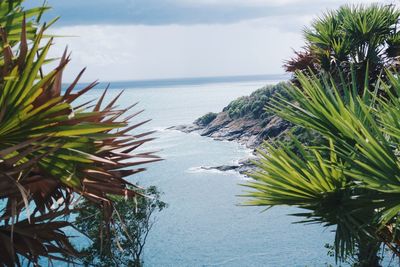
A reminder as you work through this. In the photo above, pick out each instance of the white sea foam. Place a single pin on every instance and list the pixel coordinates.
(205, 169)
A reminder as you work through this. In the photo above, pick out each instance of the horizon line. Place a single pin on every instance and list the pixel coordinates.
(200, 79)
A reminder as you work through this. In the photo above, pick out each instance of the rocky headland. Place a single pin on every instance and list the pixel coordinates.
(245, 121)
(249, 132)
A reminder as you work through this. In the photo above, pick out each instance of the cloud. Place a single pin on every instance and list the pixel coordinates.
(260, 3)
(129, 52)
(183, 12)
(149, 39)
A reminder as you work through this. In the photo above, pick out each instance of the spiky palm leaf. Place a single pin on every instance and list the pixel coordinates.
(364, 37)
(51, 150)
(351, 181)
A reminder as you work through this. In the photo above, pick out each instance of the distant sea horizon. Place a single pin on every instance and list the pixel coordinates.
(183, 81)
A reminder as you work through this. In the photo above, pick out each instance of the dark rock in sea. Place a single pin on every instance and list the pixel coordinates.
(244, 167)
(247, 131)
(222, 168)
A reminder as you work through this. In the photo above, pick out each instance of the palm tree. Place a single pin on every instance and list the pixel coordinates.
(351, 179)
(53, 152)
(364, 37)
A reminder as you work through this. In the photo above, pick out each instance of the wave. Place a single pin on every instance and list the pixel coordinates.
(209, 169)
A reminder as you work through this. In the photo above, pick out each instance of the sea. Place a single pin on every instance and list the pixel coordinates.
(205, 223)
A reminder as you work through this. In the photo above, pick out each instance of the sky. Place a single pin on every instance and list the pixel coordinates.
(161, 39)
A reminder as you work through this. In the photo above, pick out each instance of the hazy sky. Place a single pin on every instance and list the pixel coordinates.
(150, 39)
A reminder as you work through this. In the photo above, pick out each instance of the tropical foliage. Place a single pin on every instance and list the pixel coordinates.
(53, 152)
(343, 93)
(364, 37)
(351, 179)
(134, 219)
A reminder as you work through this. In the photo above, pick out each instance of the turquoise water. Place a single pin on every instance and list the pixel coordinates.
(203, 225)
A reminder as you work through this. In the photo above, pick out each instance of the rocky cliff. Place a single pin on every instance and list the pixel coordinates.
(244, 120)
(247, 131)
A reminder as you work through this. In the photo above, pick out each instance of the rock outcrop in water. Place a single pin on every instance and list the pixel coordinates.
(247, 131)
(243, 167)
(244, 120)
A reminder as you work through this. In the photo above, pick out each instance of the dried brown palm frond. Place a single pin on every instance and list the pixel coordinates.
(52, 151)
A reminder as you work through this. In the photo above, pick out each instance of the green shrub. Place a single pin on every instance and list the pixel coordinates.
(252, 106)
(133, 220)
(206, 119)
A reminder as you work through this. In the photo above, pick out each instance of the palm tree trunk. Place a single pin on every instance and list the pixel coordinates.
(368, 253)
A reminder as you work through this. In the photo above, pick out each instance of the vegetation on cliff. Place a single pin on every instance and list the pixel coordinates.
(253, 106)
(206, 119)
(244, 119)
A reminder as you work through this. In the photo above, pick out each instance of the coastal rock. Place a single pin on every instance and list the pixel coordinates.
(244, 167)
(216, 125)
(247, 131)
(222, 168)
(274, 128)
(244, 120)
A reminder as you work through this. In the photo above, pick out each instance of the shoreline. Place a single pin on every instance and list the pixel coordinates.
(243, 166)
(244, 121)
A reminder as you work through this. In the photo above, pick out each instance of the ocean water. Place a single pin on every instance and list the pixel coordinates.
(204, 224)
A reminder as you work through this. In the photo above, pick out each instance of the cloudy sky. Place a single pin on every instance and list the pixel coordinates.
(153, 39)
